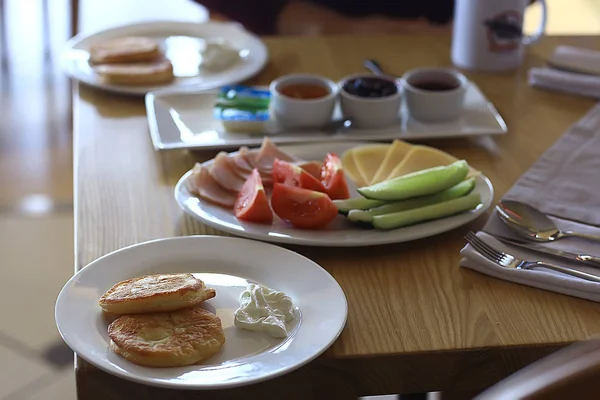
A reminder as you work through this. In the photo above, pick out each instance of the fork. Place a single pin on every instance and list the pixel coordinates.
(506, 260)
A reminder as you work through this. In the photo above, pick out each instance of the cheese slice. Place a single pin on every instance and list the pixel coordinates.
(368, 159)
(351, 169)
(421, 157)
(394, 156)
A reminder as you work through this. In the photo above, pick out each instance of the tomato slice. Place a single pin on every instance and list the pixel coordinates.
(312, 167)
(303, 208)
(252, 204)
(333, 178)
(293, 175)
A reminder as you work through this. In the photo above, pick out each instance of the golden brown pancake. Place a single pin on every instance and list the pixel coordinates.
(174, 339)
(152, 73)
(130, 49)
(155, 293)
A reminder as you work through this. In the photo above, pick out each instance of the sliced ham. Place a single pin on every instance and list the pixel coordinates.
(241, 162)
(203, 185)
(224, 172)
(250, 157)
(267, 153)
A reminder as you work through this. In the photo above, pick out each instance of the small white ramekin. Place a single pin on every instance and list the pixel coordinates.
(303, 113)
(432, 105)
(369, 112)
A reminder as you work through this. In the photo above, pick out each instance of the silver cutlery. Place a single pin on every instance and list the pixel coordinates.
(374, 67)
(533, 224)
(506, 260)
(567, 255)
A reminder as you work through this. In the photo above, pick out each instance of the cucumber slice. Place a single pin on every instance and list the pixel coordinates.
(356, 203)
(427, 213)
(461, 189)
(420, 183)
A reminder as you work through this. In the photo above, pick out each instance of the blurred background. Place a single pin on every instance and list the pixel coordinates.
(36, 193)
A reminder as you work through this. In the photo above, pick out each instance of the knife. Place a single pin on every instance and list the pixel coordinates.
(582, 258)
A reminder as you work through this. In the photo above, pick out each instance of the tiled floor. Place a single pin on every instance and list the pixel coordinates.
(36, 223)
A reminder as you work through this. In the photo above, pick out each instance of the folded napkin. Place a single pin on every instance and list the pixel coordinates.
(575, 59)
(566, 82)
(540, 278)
(563, 183)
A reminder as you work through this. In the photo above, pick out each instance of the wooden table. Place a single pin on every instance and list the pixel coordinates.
(417, 321)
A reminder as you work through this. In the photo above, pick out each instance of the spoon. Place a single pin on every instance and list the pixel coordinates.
(374, 67)
(530, 222)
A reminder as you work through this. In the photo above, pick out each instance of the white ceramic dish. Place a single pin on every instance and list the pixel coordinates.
(182, 42)
(225, 264)
(370, 112)
(430, 105)
(303, 113)
(341, 232)
(185, 121)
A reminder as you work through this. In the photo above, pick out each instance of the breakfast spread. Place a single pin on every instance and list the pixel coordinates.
(370, 87)
(160, 324)
(373, 163)
(242, 109)
(175, 339)
(124, 50)
(155, 293)
(417, 197)
(218, 55)
(398, 184)
(303, 101)
(300, 192)
(304, 91)
(403, 184)
(434, 94)
(307, 102)
(396, 151)
(222, 181)
(264, 309)
(367, 160)
(143, 73)
(133, 60)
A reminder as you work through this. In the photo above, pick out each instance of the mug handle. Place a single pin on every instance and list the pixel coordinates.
(527, 40)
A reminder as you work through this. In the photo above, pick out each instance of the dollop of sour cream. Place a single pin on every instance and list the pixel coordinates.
(219, 55)
(264, 309)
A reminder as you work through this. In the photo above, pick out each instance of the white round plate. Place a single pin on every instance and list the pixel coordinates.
(226, 264)
(182, 42)
(341, 232)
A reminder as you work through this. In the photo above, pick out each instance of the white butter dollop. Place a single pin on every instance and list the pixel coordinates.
(264, 309)
(218, 56)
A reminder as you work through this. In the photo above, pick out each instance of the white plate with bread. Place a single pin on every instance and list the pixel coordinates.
(139, 58)
(162, 312)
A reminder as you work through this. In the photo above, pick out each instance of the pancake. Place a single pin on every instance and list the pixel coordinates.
(151, 73)
(130, 49)
(174, 339)
(155, 293)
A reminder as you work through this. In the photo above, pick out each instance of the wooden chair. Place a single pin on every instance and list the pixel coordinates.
(570, 373)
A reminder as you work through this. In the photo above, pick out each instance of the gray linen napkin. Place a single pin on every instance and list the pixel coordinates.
(566, 82)
(564, 182)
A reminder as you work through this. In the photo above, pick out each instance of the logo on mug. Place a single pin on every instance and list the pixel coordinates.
(504, 31)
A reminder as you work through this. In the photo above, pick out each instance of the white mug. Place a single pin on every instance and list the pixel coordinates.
(487, 34)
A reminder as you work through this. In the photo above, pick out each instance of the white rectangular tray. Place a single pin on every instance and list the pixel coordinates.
(185, 121)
